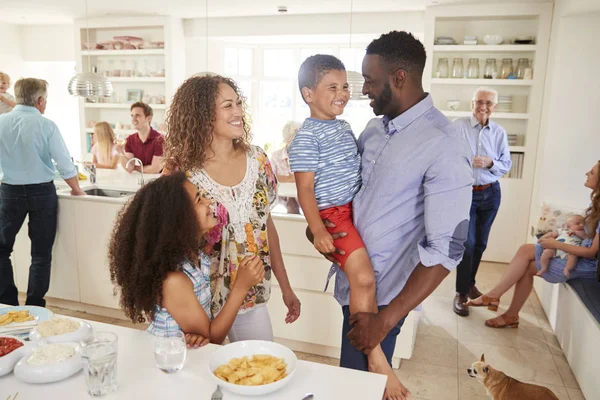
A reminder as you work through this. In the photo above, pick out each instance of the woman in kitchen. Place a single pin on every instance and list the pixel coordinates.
(209, 138)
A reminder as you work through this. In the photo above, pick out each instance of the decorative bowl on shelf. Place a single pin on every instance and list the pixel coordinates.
(524, 40)
(493, 39)
(453, 105)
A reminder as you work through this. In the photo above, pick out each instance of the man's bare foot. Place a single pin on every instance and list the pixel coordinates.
(542, 271)
(394, 389)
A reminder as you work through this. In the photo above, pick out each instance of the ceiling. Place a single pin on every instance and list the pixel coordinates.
(65, 11)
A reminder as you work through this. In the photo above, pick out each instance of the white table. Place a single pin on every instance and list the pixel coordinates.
(139, 378)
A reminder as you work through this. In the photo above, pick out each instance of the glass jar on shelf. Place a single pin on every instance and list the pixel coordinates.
(442, 68)
(473, 68)
(490, 71)
(457, 68)
(522, 64)
(506, 69)
(109, 71)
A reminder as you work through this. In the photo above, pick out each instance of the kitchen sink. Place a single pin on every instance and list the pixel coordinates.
(108, 192)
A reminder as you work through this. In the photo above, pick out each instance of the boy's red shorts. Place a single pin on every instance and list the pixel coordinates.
(341, 216)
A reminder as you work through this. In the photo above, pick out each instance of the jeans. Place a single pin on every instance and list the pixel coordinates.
(484, 208)
(350, 357)
(40, 202)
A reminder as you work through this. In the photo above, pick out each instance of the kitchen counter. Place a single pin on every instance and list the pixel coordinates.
(139, 378)
(80, 278)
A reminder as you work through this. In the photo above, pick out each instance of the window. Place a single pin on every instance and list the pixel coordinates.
(272, 91)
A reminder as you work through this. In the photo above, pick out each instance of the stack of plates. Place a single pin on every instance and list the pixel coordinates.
(504, 104)
(513, 139)
(442, 40)
(470, 40)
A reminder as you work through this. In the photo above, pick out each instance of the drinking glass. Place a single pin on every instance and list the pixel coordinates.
(170, 352)
(99, 356)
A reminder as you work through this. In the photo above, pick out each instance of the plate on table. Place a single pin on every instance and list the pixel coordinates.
(51, 331)
(250, 348)
(49, 362)
(12, 349)
(22, 329)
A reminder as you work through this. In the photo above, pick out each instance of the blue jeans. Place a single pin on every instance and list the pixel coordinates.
(40, 202)
(484, 208)
(350, 357)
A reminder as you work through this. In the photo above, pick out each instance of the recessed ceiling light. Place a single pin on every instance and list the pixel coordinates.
(282, 9)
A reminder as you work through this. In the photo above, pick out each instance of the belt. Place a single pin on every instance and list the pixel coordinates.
(481, 188)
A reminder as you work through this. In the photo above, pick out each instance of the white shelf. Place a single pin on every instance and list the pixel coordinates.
(486, 48)
(122, 105)
(517, 149)
(137, 79)
(147, 52)
(497, 115)
(482, 82)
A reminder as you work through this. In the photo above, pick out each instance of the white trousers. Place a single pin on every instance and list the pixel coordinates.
(252, 325)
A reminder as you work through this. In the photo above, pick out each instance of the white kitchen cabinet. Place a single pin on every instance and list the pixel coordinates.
(92, 240)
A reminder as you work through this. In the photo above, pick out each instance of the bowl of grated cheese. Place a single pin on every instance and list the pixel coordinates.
(61, 330)
(49, 362)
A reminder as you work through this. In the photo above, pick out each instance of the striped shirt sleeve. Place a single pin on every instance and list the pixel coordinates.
(303, 152)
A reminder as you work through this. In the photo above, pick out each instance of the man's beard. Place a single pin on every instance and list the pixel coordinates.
(383, 100)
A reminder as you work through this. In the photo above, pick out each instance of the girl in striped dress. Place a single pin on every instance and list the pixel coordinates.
(154, 262)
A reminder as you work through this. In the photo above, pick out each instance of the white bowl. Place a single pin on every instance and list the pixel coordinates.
(80, 335)
(249, 348)
(493, 39)
(7, 362)
(31, 373)
(453, 105)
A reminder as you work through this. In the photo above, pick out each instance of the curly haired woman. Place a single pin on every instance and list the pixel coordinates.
(209, 138)
(526, 263)
(155, 262)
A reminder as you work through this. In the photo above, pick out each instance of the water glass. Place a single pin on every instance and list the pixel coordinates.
(170, 352)
(99, 356)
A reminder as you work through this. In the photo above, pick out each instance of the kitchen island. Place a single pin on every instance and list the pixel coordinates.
(80, 277)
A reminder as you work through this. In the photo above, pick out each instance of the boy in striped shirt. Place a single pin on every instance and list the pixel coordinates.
(326, 163)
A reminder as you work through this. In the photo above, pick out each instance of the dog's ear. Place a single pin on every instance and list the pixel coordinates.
(482, 358)
(486, 370)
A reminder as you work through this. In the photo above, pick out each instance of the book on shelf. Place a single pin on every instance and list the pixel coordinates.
(516, 170)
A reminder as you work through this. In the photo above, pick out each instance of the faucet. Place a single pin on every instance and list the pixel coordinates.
(137, 161)
(91, 168)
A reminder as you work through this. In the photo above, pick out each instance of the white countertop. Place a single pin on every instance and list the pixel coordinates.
(140, 378)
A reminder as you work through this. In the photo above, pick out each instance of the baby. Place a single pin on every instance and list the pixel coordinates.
(573, 235)
(7, 100)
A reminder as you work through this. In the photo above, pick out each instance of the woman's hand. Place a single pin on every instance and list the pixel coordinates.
(293, 305)
(549, 243)
(250, 272)
(194, 341)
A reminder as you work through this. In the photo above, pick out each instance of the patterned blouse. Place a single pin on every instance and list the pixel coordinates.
(164, 324)
(242, 211)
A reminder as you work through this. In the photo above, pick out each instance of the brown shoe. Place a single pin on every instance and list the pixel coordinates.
(460, 307)
(474, 293)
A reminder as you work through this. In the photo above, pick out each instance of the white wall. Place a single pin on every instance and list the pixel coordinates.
(10, 52)
(334, 28)
(48, 42)
(570, 138)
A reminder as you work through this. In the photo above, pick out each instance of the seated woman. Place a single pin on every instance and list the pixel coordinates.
(154, 260)
(104, 150)
(526, 263)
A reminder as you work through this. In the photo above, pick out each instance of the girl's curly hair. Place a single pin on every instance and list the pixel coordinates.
(190, 122)
(154, 234)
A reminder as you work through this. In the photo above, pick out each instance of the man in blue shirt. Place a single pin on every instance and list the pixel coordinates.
(28, 144)
(491, 160)
(412, 211)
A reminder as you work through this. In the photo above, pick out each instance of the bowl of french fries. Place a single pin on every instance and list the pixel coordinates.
(252, 367)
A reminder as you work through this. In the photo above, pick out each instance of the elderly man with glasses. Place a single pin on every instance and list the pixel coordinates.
(491, 160)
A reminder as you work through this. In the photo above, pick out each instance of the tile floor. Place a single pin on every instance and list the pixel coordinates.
(447, 345)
